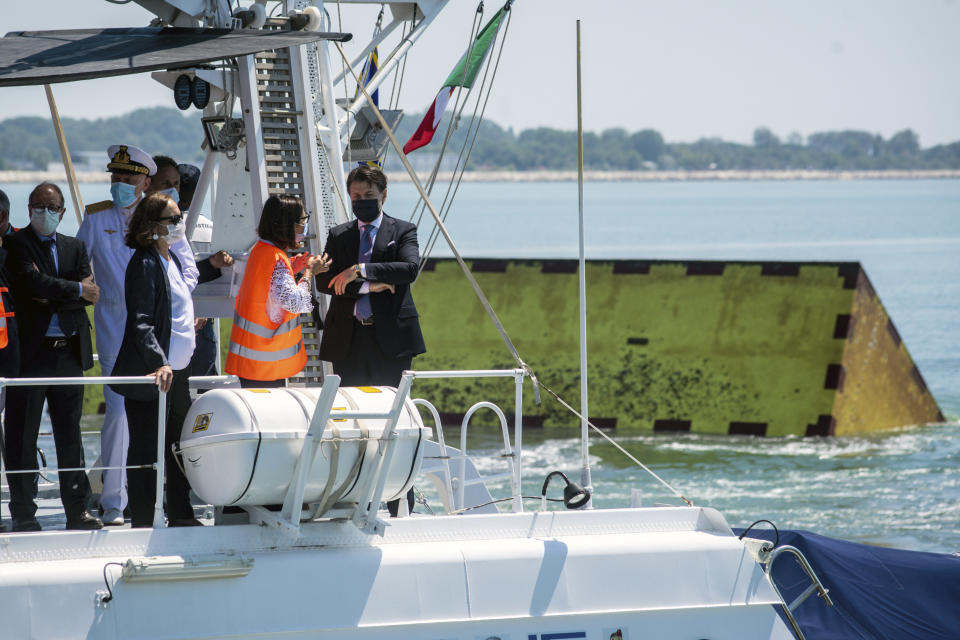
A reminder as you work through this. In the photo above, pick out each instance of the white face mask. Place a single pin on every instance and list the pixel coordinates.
(44, 221)
(298, 238)
(175, 233)
(173, 193)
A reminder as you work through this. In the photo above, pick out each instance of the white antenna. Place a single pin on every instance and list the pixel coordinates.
(585, 479)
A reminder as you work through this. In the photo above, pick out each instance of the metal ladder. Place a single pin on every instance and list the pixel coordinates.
(291, 156)
(816, 586)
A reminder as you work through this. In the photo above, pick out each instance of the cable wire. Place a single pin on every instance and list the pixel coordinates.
(451, 125)
(109, 595)
(776, 541)
(487, 504)
(446, 205)
(614, 443)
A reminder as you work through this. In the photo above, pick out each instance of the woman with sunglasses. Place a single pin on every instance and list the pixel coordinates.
(266, 346)
(158, 341)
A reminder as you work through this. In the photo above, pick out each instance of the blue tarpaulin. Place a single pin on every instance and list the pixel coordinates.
(878, 593)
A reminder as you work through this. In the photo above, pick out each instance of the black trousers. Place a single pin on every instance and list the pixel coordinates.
(142, 483)
(204, 360)
(24, 408)
(367, 364)
(247, 383)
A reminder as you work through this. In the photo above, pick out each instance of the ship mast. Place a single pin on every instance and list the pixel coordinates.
(585, 479)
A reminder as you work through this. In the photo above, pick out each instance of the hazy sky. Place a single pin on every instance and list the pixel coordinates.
(688, 68)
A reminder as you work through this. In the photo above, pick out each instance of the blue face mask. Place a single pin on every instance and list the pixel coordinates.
(173, 193)
(44, 221)
(123, 194)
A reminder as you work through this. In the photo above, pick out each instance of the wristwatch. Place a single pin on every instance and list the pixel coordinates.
(359, 274)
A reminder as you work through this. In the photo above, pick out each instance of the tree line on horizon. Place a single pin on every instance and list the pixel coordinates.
(29, 142)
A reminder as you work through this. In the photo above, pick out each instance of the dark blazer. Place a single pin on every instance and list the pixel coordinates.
(146, 335)
(40, 289)
(395, 260)
(9, 355)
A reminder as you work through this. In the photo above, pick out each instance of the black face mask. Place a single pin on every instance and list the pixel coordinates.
(366, 210)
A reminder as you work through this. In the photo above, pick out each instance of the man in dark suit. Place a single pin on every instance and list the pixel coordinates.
(52, 284)
(372, 330)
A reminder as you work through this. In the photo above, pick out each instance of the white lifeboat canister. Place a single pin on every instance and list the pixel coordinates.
(240, 446)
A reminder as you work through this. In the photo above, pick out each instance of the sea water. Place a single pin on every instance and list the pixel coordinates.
(900, 488)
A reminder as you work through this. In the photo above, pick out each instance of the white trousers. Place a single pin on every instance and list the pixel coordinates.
(114, 436)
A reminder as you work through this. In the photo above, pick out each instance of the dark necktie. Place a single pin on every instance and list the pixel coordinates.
(65, 323)
(363, 309)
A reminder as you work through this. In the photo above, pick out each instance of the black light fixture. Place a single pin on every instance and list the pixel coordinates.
(182, 92)
(574, 496)
(200, 93)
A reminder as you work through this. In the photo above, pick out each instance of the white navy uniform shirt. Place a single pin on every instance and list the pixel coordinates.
(104, 234)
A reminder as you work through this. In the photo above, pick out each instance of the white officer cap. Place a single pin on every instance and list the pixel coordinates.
(125, 158)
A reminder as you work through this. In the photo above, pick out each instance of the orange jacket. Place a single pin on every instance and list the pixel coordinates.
(4, 339)
(259, 348)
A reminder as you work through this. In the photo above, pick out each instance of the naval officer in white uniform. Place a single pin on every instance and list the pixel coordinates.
(102, 231)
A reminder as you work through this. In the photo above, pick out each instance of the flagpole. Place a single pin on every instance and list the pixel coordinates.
(65, 155)
(585, 478)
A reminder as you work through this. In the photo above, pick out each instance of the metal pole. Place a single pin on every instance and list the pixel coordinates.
(200, 192)
(517, 439)
(158, 521)
(65, 154)
(584, 410)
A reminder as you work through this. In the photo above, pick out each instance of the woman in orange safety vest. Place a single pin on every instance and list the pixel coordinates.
(266, 346)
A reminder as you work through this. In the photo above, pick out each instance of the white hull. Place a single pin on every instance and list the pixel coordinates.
(652, 573)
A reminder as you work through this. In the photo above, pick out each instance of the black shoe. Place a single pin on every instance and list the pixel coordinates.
(186, 522)
(28, 524)
(85, 521)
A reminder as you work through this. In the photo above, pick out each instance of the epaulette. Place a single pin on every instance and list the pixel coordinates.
(98, 207)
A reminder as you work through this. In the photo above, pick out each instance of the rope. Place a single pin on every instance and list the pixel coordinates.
(398, 81)
(448, 199)
(332, 118)
(454, 122)
(615, 443)
(479, 292)
(463, 265)
(451, 125)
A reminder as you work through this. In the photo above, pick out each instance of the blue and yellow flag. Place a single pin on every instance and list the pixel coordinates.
(370, 70)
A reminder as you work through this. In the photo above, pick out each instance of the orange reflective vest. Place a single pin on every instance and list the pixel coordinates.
(4, 314)
(259, 348)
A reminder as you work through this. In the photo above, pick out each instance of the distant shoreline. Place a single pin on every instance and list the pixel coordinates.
(34, 177)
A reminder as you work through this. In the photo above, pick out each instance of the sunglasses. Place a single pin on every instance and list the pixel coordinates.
(171, 219)
(37, 209)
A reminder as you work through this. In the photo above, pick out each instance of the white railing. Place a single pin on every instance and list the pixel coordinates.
(364, 516)
(515, 456)
(158, 520)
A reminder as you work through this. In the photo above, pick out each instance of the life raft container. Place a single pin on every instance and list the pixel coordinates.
(240, 446)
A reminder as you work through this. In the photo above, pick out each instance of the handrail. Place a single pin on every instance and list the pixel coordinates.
(516, 495)
(445, 460)
(518, 375)
(816, 586)
(158, 520)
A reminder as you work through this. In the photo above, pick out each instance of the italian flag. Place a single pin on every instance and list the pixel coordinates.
(463, 75)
